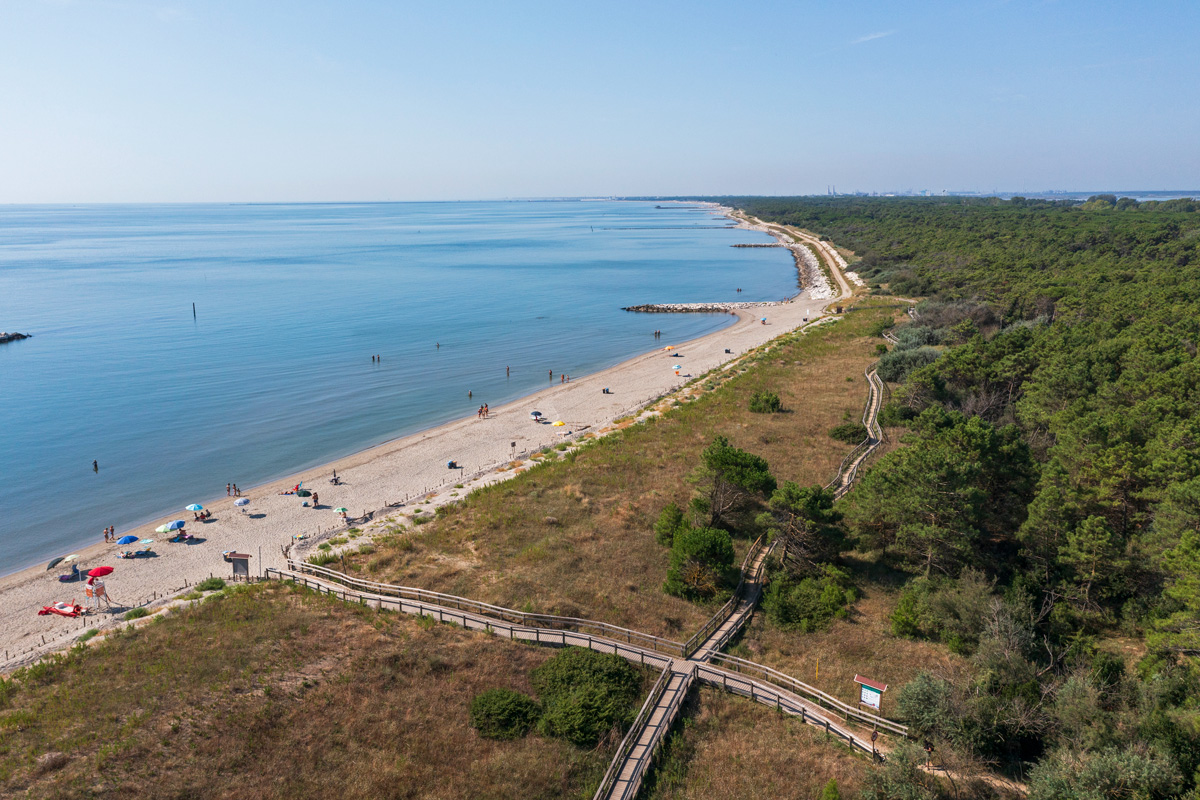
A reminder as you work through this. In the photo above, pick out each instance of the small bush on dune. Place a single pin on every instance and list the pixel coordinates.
(585, 694)
(670, 522)
(210, 585)
(850, 432)
(503, 714)
(809, 604)
(321, 559)
(136, 613)
(699, 559)
(765, 402)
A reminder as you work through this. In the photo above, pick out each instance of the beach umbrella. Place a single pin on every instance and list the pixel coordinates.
(99, 572)
(194, 507)
(242, 501)
(162, 529)
(677, 366)
(303, 493)
(535, 414)
(341, 510)
(127, 540)
(54, 562)
(558, 424)
(176, 525)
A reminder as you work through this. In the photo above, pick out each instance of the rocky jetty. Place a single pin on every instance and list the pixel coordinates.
(698, 308)
(7, 337)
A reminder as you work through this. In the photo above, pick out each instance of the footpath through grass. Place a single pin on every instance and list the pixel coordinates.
(574, 536)
(273, 692)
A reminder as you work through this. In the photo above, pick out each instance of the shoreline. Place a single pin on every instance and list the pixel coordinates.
(380, 482)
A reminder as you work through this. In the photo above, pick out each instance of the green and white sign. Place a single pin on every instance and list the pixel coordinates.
(870, 697)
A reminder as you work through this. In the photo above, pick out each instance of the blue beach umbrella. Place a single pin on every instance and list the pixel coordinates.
(194, 507)
(242, 501)
(127, 540)
(176, 525)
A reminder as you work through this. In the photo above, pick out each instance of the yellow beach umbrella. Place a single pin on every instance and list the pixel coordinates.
(559, 424)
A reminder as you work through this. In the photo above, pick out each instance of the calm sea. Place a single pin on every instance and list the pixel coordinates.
(274, 372)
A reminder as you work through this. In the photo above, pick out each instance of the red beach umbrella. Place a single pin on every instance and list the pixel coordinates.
(99, 572)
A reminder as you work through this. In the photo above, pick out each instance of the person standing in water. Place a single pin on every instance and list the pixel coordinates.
(95, 466)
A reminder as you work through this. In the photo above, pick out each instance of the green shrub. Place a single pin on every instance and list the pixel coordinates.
(585, 694)
(670, 521)
(503, 714)
(896, 365)
(894, 414)
(321, 559)
(324, 546)
(136, 613)
(338, 540)
(830, 792)
(879, 327)
(765, 402)
(700, 558)
(849, 432)
(809, 604)
(210, 585)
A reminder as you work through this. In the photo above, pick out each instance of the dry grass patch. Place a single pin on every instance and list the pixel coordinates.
(731, 748)
(272, 692)
(600, 559)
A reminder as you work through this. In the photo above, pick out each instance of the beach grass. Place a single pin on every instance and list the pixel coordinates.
(729, 747)
(573, 535)
(270, 691)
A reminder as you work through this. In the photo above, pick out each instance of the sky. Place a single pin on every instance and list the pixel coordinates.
(247, 100)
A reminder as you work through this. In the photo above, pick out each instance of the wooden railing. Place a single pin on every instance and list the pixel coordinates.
(726, 611)
(728, 672)
(631, 737)
(801, 689)
(633, 783)
(848, 469)
(550, 621)
(774, 698)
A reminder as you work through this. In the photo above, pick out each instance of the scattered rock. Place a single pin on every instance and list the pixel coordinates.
(6, 337)
(550, 520)
(49, 762)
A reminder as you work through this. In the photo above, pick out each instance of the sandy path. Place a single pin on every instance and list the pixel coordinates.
(388, 474)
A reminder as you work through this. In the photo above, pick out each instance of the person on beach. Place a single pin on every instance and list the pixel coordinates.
(485, 410)
(551, 374)
(316, 500)
(228, 490)
(562, 377)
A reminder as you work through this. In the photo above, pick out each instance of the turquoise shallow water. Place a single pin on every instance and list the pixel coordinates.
(275, 374)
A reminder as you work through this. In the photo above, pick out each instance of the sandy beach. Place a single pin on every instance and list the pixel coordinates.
(375, 482)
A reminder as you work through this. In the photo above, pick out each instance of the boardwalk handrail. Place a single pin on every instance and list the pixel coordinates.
(848, 469)
(809, 692)
(551, 621)
(631, 736)
(713, 675)
(726, 611)
(772, 697)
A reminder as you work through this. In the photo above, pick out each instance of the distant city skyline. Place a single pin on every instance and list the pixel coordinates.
(184, 101)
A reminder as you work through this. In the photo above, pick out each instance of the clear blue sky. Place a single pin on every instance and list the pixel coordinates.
(182, 100)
